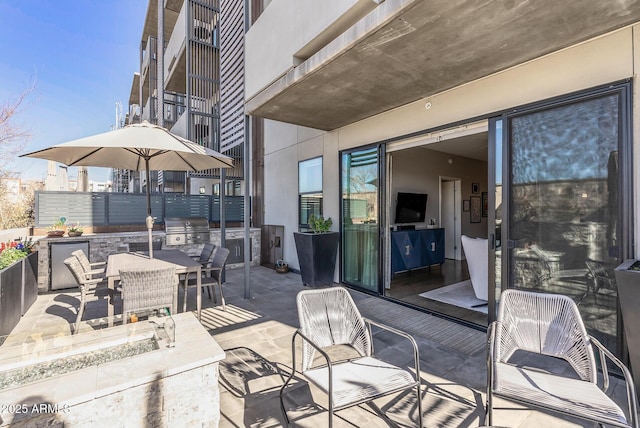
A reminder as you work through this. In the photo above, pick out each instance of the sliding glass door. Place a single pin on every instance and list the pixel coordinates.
(566, 199)
(360, 203)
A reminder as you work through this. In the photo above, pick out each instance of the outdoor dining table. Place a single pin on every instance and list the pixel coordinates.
(183, 263)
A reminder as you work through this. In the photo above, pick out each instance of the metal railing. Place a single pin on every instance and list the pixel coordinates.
(105, 209)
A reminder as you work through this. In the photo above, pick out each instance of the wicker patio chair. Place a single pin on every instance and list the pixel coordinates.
(87, 285)
(147, 289)
(550, 324)
(601, 276)
(212, 276)
(205, 255)
(329, 317)
(89, 268)
(205, 258)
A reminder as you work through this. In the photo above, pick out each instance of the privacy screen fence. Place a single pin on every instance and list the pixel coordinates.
(104, 209)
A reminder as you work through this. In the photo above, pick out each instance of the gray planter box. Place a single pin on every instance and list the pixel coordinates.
(18, 291)
(317, 256)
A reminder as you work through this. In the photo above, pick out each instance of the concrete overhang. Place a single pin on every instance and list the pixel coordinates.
(176, 80)
(171, 11)
(134, 95)
(406, 50)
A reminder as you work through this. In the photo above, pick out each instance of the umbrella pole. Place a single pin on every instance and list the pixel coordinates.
(149, 218)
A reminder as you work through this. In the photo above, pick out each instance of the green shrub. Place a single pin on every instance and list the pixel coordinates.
(319, 224)
(12, 251)
(10, 256)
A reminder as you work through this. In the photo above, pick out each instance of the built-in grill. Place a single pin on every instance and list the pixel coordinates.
(186, 230)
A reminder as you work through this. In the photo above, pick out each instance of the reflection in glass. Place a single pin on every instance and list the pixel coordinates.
(360, 233)
(309, 205)
(310, 190)
(563, 207)
(498, 208)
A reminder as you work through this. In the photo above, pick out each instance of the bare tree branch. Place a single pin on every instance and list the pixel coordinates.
(9, 131)
(15, 209)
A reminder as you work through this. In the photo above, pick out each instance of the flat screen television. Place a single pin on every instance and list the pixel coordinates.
(411, 207)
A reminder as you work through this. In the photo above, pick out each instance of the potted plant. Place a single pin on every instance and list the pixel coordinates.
(317, 251)
(75, 230)
(58, 228)
(282, 266)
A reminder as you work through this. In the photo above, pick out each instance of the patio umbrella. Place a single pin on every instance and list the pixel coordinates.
(137, 147)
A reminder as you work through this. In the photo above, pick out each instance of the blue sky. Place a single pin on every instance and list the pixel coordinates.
(82, 55)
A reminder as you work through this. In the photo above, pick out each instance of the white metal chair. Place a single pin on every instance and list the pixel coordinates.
(329, 317)
(212, 276)
(550, 324)
(86, 283)
(476, 251)
(147, 289)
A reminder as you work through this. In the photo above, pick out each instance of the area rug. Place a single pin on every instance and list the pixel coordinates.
(458, 294)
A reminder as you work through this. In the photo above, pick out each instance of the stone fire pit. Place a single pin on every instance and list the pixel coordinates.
(125, 375)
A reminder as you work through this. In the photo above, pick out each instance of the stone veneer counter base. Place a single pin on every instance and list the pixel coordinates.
(164, 387)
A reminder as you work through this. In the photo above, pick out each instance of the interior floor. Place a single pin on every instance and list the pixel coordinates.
(407, 287)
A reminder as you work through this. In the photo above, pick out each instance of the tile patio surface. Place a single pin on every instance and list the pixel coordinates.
(256, 335)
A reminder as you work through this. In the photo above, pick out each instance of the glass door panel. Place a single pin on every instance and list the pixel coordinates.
(563, 211)
(495, 214)
(360, 222)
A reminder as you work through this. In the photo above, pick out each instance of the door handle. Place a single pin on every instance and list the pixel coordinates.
(492, 241)
(433, 246)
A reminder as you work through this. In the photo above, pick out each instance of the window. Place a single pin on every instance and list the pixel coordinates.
(309, 190)
(234, 188)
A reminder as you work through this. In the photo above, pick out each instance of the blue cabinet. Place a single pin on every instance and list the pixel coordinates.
(414, 249)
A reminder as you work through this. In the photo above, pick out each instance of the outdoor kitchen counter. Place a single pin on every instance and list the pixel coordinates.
(101, 245)
(174, 386)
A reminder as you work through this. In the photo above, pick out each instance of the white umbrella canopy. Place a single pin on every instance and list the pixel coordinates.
(131, 147)
(138, 147)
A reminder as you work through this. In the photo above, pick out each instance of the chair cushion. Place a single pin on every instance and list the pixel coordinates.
(555, 392)
(360, 379)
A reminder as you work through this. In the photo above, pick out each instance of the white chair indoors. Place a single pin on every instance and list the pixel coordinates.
(550, 325)
(329, 317)
(476, 251)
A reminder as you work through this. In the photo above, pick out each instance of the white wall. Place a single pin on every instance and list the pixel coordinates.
(176, 41)
(284, 28)
(599, 61)
(418, 170)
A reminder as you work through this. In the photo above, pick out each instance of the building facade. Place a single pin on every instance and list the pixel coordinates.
(179, 87)
(514, 121)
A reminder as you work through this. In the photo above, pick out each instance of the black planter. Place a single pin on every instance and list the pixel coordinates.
(317, 256)
(18, 291)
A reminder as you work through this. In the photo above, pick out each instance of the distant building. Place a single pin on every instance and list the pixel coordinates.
(17, 189)
(100, 186)
(83, 179)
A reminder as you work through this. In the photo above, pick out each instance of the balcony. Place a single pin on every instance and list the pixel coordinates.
(404, 51)
(175, 56)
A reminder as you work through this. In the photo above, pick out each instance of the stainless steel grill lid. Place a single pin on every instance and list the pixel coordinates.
(186, 230)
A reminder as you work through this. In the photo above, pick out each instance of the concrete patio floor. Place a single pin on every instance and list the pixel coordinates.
(256, 335)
